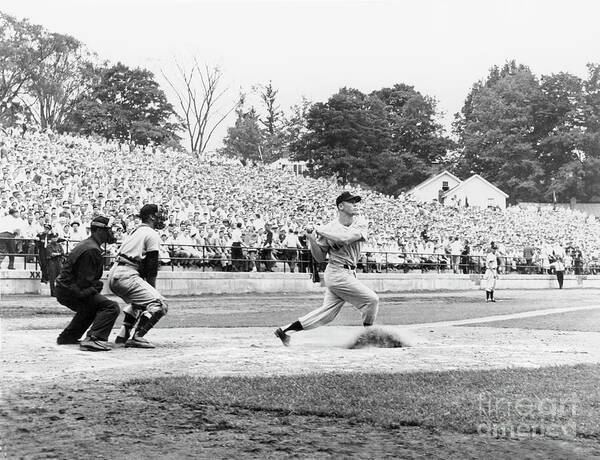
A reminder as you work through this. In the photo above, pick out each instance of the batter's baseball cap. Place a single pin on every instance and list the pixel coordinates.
(347, 196)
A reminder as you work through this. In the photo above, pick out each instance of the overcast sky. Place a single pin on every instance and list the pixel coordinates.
(315, 47)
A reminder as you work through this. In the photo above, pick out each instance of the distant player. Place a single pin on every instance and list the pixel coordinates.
(491, 273)
(341, 239)
(133, 278)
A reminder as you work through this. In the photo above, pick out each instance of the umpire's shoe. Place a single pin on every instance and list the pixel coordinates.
(66, 341)
(139, 342)
(90, 344)
(285, 339)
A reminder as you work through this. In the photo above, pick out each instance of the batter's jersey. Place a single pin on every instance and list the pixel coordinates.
(348, 254)
(142, 240)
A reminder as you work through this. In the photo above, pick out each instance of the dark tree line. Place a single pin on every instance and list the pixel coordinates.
(52, 81)
(535, 138)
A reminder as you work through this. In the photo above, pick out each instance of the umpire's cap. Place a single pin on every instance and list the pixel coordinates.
(347, 196)
(148, 210)
(101, 222)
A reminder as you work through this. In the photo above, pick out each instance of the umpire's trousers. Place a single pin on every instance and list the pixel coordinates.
(342, 286)
(96, 311)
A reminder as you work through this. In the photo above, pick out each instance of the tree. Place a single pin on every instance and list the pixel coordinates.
(532, 139)
(417, 135)
(494, 76)
(344, 136)
(389, 140)
(41, 73)
(198, 93)
(58, 80)
(296, 124)
(273, 129)
(244, 140)
(578, 175)
(271, 119)
(579, 179)
(591, 112)
(498, 132)
(126, 105)
(559, 123)
(16, 55)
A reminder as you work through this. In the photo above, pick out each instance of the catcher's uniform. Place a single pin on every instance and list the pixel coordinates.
(340, 279)
(129, 279)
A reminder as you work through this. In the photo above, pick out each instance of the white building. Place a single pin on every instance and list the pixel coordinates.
(451, 191)
(433, 188)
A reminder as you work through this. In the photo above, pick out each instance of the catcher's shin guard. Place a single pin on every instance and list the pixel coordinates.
(148, 321)
(131, 316)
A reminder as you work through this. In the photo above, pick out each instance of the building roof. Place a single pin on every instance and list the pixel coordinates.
(471, 179)
(432, 178)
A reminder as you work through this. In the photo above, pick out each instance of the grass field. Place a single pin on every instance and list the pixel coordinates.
(220, 385)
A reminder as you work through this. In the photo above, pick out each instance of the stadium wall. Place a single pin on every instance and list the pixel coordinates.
(180, 283)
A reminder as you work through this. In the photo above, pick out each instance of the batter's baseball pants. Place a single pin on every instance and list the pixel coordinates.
(342, 286)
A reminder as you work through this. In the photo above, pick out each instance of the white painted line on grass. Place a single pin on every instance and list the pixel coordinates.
(490, 319)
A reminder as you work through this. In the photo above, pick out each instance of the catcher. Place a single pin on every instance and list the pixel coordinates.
(133, 278)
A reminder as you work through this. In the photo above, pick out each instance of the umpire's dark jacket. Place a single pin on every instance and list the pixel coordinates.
(82, 270)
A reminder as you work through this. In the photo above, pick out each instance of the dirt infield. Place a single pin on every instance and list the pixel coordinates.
(40, 379)
(31, 356)
(447, 334)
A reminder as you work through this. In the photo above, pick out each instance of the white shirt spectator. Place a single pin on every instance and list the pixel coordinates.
(11, 224)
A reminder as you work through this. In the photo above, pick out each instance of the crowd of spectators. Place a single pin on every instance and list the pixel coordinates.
(229, 216)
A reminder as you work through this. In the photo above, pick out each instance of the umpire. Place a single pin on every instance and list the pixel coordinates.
(78, 287)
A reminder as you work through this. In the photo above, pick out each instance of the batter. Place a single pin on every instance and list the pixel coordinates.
(341, 239)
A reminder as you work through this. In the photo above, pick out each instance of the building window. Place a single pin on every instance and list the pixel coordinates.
(445, 186)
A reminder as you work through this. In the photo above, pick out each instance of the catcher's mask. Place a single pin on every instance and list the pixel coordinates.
(107, 224)
(161, 217)
(159, 212)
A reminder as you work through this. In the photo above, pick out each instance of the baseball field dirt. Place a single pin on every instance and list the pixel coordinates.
(60, 402)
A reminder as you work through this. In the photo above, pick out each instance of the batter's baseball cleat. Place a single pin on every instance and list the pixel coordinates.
(89, 344)
(285, 339)
(139, 342)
